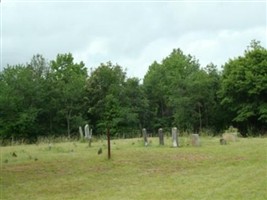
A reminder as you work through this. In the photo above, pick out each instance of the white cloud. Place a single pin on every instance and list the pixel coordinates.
(206, 46)
(219, 46)
(92, 54)
(130, 34)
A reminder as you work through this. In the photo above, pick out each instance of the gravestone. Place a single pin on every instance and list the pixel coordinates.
(161, 137)
(174, 137)
(86, 131)
(81, 132)
(231, 134)
(230, 137)
(145, 136)
(195, 140)
(88, 134)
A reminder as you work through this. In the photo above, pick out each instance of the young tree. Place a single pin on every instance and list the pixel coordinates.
(115, 101)
(104, 93)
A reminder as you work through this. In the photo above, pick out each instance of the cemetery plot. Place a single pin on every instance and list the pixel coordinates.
(72, 170)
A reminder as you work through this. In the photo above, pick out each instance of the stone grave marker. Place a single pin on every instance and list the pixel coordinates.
(145, 136)
(161, 137)
(174, 137)
(231, 134)
(86, 131)
(81, 132)
(229, 137)
(195, 140)
(88, 134)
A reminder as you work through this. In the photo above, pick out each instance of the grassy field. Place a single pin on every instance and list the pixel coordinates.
(72, 170)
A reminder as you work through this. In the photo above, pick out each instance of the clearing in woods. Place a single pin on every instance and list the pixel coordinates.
(72, 170)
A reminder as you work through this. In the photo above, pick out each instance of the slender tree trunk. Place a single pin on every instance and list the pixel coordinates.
(162, 109)
(50, 123)
(206, 116)
(68, 123)
(68, 126)
(200, 119)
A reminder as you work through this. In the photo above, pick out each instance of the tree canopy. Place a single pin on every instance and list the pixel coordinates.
(244, 89)
(114, 101)
(53, 98)
(181, 93)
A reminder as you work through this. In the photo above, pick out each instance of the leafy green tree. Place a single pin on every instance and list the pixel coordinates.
(155, 88)
(68, 80)
(41, 98)
(21, 99)
(104, 92)
(183, 95)
(244, 89)
(167, 86)
(115, 101)
(135, 107)
(215, 116)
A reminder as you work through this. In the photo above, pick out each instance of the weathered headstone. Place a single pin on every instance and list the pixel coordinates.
(81, 132)
(86, 131)
(174, 137)
(195, 140)
(230, 137)
(161, 137)
(145, 136)
(231, 134)
(88, 134)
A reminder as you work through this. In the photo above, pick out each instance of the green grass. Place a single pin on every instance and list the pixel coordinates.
(74, 171)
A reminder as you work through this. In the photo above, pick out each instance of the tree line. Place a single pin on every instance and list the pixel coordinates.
(53, 98)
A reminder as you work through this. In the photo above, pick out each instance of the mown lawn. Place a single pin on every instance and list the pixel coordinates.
(72, 170)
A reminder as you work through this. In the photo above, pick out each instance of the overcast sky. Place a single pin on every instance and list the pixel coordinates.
(131, 34)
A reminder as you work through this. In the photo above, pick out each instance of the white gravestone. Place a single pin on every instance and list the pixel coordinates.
(174, 137)
(88, 134)
(86, 131)
(81, 132)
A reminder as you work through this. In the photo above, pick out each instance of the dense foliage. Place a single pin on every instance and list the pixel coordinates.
(54, 98)
(244, 89)
(181, 94)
